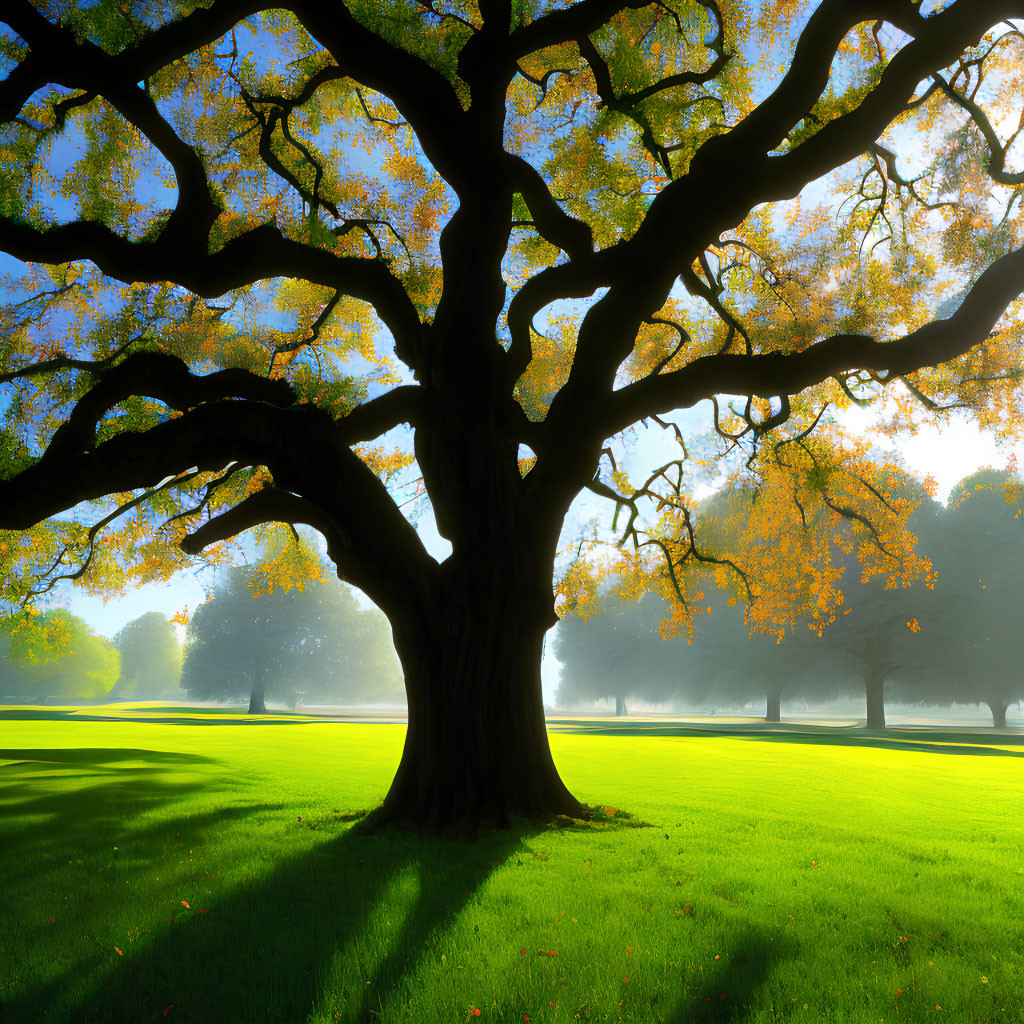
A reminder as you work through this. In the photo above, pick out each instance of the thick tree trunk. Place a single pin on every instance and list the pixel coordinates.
(476, 749)
(773, 709)
(998, 709)
(620, 707)
(257, 699)
(874, 687)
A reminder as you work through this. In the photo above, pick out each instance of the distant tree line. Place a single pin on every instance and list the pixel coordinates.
(961, 641)
(314, 645)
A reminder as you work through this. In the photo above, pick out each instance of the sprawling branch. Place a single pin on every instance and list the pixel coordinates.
(421, 94)
(775, 374)
(259, 254)
(167, 379)
(730, 175)
(134, 64)
(553, 224)
(381, 414)
(273, 505)
(382, 552)
(568, 24)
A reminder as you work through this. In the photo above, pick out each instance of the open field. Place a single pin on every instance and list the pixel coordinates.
(197, 866)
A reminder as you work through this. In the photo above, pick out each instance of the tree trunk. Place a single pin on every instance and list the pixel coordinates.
(620, 707)
(476, 748)
(998, 709)
(257, 699)
(874, 687)
(773, 710)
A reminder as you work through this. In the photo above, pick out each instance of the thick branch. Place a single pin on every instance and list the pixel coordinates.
(167, 379)
(568, 24)
(381, 414)
(257, 255)
(266, 506)
(422, 96)
(553, 224)
(776, 374)
(383, 554)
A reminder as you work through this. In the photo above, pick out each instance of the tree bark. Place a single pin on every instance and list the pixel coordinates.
(773, 709)
(874, 687)
(476, 749)
(257, 699)
(620, 707)
(998, 709)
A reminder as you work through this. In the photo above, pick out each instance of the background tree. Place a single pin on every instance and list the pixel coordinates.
(179, 376)
(313, 644)
(616, 653)
(57, 655)
(738, 666)
(979, 644)
(150, 659)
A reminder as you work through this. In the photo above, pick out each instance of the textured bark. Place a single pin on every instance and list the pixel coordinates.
(257, 698)
(773, 706)
(874, 687)
(476, 750)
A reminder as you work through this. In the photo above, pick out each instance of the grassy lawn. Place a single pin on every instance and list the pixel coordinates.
(160, 865)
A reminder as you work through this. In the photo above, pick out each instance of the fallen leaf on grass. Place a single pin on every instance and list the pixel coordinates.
(184, 904)
(118, 952)
(168, 1010)
(548, 952)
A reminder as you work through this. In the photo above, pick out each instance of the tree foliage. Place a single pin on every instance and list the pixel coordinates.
(57, 654)
(254, 240)
(950, 638)
(150, 658)
(314, 645)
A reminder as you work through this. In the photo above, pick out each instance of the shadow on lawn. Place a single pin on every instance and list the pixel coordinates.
(730, 984)
(931, 741)
(95, 757)
(148, 716)
(262, 948)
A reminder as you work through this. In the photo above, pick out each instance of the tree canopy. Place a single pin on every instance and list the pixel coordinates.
(949, 638)
(314, 645)
(249, 241)
(150, 658)
(56, 655)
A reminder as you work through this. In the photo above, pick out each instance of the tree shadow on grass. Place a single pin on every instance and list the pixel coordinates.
(730, 985)
(96, 757)
(932, 741)
(259, 948)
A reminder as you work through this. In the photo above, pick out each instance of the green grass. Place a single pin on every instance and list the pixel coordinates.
(714, 911)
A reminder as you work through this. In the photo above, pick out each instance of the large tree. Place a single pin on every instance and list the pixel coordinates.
(260, 236)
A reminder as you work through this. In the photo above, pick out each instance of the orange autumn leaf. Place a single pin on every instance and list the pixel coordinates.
(118, 952)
